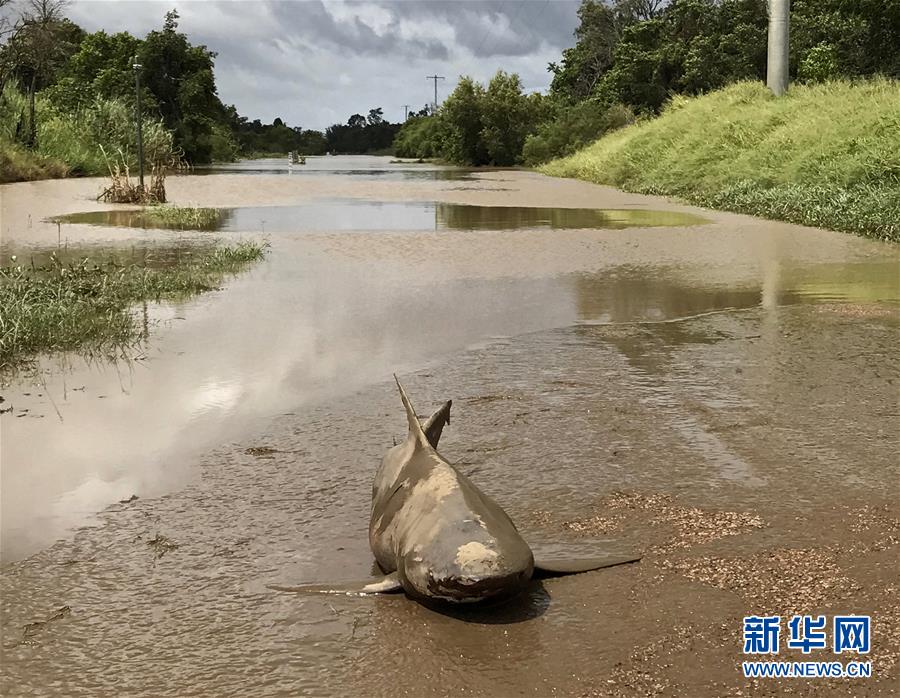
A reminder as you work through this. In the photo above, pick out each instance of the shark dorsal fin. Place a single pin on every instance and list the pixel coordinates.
(434, 425)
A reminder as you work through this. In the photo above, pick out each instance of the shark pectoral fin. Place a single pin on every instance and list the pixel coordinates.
(387, 585)
(558, 567)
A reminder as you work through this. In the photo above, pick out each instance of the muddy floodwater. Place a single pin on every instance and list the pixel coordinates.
(717, 392)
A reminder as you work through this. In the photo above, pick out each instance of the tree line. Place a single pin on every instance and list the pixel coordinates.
(632, 56)
(63, 91)
(55, 78)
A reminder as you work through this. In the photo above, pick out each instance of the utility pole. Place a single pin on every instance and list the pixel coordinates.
(779, 34)
(406, 111)
(140, 132)
(435, 78)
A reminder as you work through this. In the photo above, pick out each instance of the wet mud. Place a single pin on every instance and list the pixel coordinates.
(722, 398)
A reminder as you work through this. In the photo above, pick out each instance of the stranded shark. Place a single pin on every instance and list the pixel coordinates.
(439, 538)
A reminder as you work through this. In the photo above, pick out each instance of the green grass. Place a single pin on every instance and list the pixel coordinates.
(87, 306)
(184, 217)
(826, 155)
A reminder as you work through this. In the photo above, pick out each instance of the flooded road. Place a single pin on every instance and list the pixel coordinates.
(707, 393)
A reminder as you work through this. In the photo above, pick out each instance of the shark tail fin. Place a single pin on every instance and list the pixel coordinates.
(415, 428)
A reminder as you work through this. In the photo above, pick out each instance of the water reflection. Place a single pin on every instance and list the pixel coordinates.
(355, 214)
(627, 295)
(453, 216)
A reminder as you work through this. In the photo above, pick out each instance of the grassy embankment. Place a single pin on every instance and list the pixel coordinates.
(88, 307)
(824, 155)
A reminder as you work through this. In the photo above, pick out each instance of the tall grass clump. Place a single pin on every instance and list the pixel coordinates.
(122, 189)
(826, 155)
(87, 306)
(18, 163)
(76, 142)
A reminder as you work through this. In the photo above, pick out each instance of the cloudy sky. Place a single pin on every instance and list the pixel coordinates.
(315, 62)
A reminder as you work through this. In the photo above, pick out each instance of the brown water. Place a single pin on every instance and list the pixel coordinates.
(721, 364)
(355, 167)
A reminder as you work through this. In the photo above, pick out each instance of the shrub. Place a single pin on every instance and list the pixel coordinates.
(573, 127)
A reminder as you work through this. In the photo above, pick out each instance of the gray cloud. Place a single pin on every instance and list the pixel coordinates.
(316, 62)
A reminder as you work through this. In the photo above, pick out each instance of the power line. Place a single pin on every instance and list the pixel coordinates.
(489, 30)
(511, 20)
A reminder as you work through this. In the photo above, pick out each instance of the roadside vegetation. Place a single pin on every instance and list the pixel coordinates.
(826, 155)
(65, 92)
(632, 57)
(89, 305)
(668, 98)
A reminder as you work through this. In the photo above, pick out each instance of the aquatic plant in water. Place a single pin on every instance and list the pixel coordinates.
(87, 306)
(122, 190)
(184, 217)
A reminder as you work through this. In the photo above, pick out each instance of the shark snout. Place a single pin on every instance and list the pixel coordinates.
(492, 586)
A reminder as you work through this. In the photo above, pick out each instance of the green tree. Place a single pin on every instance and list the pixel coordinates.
(362, 134)
(819, 64)
(462, 116)
(38, 47)
(180, 76)
(641, 52)
(691, 46)
(573, 127)
(375, 117)
(102, 67)
(847, 39)
(508, 117)
(422, 136)
(598, 32)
